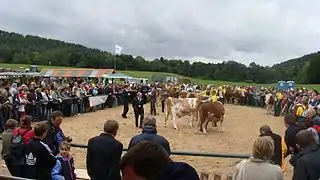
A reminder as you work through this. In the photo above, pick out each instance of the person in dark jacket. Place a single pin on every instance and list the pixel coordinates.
(126, 99)
(104, 153)
(290, 134)
(148, 160)
(307, 162)
(138, 109)
(149, 133)
(39, 157)
(265, 130)
(55, 134)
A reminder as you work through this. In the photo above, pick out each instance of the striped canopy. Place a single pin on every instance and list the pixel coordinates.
(82, 72)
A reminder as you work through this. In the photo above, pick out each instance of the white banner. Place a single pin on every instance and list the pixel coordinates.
(117, 49)
(97, 100)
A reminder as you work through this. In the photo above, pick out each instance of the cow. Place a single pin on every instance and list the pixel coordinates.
(270, 103)
(210, 111)
(179, 107)
(159, 93)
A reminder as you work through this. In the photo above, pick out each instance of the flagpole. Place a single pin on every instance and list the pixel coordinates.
(114, 61)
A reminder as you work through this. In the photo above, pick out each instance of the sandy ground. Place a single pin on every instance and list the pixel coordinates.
(241, 127)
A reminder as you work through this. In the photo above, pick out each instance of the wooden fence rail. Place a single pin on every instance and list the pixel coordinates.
(216, 176)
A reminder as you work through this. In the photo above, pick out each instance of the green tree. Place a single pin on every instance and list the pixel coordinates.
(20, 58)
(19, 49)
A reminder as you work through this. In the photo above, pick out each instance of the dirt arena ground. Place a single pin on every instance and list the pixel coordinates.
(241, 127)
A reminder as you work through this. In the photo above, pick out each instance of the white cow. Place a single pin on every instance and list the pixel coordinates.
(179, 107)
(269, 101)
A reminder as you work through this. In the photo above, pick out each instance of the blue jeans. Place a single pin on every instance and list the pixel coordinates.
(82, 106)
(74, 109)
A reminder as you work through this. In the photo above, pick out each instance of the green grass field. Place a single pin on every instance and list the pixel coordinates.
(148, 75)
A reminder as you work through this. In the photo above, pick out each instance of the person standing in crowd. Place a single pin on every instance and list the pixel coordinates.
(300, 108)
(21, 136)
(7, 137)
(104, 153)
(22, 103)
(259, 166)
(307, 162)
(46, 104)
(290, 134)
(55, 99)
(153, 100)
(280, 148)
(110, 99)
(125, 96)
(55, 134)
(64, 168)
(163, 98)
(14, 101)
(149, 160)
(39, 157)
(31, 106)
(277, 105)
(149, 133)
(3, 102)
(137, 104)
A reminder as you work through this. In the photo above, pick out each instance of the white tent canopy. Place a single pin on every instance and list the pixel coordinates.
(117, 76)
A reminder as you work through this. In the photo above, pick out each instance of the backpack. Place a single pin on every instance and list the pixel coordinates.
(17, 147)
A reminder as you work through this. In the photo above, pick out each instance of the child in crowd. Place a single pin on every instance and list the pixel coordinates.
(64, 168)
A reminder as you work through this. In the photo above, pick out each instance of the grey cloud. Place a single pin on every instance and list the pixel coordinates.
(208, 30)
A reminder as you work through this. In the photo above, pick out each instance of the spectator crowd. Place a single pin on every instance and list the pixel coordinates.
(71, 97)
(42, 151)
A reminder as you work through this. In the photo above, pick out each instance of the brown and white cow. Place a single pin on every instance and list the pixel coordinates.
(179, 107)
(269, 103)
(210, 111)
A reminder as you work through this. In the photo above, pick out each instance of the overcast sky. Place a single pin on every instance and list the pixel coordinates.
(264, 31)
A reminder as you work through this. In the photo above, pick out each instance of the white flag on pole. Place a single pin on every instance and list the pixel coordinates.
(117, 49)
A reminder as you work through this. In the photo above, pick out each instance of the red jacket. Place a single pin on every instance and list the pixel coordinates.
(26, 138)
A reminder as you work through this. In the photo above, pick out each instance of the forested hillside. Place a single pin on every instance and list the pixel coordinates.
(19, 49)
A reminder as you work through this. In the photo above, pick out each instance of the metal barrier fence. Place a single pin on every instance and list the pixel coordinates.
(185, 153)
(2, 177)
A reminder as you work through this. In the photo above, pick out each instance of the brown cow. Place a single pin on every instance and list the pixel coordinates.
(210, 111)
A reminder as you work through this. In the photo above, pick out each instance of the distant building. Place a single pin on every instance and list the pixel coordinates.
(165, 78)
